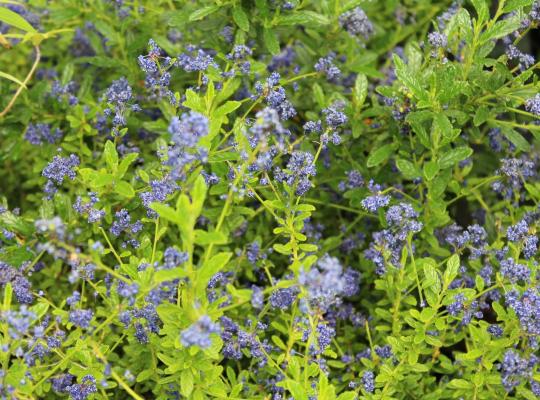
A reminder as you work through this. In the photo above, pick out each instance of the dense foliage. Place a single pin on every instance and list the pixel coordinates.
(267, 199)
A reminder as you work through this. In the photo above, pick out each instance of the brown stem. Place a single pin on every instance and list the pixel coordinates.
(26, 80)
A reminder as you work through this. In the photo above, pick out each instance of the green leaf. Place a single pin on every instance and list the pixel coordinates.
(408, 169)
(124, 188)
(479, 283)
(296, 389)
(271, 41)
(202, 12)
(360, 90)
(282, 248)
(460, 384)
(166, 212)
(408, 79)
(194, 102)
(500, 29)
(241, 18)
(145, 374)
(416, 120)
(515, 137)
(431, 168)
(198, 195)
(8, 294)
(319, 95)
(347, 396)
(380, 155)
(454, 156)
(481, 9)
(452, 269)
(186, 382)
(481, 115)
(442, 124)
(14, 19)
(431, 277)
(165, 275)
(12, 79)
(111, 155)
(102, 179)
(226, 108)
(125, 163)
(306, 18)
(512, 5)
(204, 237)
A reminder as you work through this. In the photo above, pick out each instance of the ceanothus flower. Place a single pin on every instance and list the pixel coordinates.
(186, 132)
(437, 40)
(57, 170)
(157, 78)
(39, 133)
(282, 61)
(354, 180)
(326, 282)
(376, 200)
(356, 23)
(188, 129)
(87, 209)
(21, 286)
(495, 331)
(473, 238)
(81, 317)
(515, 171)
(402, 219)
(326, 66)
(300, 168)
(527, 309)
(195, 59)
(514, 369)
(368, 381)
(54, 226)
(173, 258)
(532, 105)
(525, 60)
(18, 322)
(325, 333)
(158, 193)
(283, 298)
(61, 382)
(334, 117)
(119, 97)
(267, 125)
(198, 334)
(82, 390)
(384, 351)
(275, 96)
(64, 92)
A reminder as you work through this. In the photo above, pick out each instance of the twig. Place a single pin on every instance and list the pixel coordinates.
(25, 82)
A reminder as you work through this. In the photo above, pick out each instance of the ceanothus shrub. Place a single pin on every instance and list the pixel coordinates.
(269, 199)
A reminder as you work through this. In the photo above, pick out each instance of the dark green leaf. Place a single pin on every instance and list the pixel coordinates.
(203, 12)
(226, 108)
(516, 138)
(450, 158)
(408, 169)
(12, 18)
(111, 155)
(271, 41)
(307, 18)
(408, 79)
(380, 155)
(241, 18)
(360, 90)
